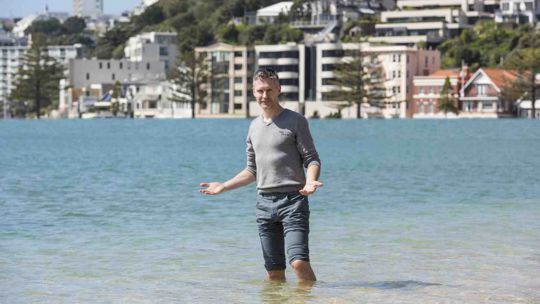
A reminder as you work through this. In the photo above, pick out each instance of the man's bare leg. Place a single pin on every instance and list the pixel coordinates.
(276, 275)
(303, 271)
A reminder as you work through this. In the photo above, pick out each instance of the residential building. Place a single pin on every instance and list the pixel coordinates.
(481, 96)
(518, 11)
(153, 46)
(95, 77)
(427, 92)
(524, 108)
(88, 8)
(399, 65)
(429, 22)
(229, 82)
(288, 60)
(270, 13)
(11, 60)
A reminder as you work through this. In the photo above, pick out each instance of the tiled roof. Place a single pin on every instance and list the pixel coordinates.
(446, 73)
(500, 77)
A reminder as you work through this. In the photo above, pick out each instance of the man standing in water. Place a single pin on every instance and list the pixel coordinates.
(279, 147)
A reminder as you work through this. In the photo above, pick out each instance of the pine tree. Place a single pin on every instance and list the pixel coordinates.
(358, 81)
(186, 80)
(447, 100)
(36, 85)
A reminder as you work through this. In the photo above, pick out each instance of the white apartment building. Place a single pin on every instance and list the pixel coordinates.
(399, 65)
(229, 85)
(429, 21)
(88, 8)
(153, 46)
(11, 59)
(95, 77)
(518, 11)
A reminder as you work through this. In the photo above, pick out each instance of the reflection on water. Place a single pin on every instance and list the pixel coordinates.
(282, 292)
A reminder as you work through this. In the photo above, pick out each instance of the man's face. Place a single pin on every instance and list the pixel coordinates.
(266, 92)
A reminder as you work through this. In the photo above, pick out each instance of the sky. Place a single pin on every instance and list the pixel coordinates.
(21, 8)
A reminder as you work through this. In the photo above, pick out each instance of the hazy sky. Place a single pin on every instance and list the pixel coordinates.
(21, 8)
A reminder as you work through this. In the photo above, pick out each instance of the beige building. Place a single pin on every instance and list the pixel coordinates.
(229, 82)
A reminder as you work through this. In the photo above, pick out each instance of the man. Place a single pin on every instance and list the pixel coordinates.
(279, 146)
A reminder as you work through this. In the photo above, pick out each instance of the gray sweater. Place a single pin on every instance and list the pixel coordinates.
(278, 150)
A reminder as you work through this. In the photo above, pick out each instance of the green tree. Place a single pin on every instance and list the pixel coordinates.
(526, 62)
(36, 85)
(447, 100)
(115, 98)
(50, 26)
(187, 79)
(74, 25)
(358, 80)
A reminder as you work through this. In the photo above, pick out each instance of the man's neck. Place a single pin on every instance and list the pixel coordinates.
(270, 114)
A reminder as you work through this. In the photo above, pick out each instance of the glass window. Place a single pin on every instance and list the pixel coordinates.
(237, 66)
(237, 79)
(237, 93)
(163, 51)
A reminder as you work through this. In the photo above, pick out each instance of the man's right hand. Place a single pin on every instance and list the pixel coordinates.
(212, 188)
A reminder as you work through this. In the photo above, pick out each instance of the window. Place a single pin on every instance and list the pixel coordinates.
(421, 91)
(87, 76)
(163, 51)
(327, 67)
(487, 105)
(482, 90)
(431, 107)
(100, 65)
(108, 65)
(113, 76)
(237, 54)
(148, 65)
(237, 66)
(420, 108)
(237, 93)
(237, 79)
(121, 65)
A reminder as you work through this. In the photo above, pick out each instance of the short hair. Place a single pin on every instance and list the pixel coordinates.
(265, 73)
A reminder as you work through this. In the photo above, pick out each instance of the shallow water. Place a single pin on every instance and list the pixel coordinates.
(411, 212)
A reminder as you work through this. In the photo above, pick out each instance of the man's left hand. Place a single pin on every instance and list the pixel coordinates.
(310, 187)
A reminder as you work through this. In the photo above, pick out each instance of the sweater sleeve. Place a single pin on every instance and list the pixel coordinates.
(304, 143)
(250, 153)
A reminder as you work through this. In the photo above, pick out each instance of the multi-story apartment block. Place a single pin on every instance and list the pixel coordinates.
(88, 8)
(518, 11)
(153, 46)
(399, 65)
(429, 21)
(229, 82)
(94, 77)
(427, 92)
(11, 59)
(305, 73)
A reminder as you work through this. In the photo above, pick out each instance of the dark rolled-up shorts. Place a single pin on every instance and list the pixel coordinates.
(283, 221)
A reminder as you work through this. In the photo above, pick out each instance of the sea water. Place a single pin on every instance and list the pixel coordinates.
(108, 211)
